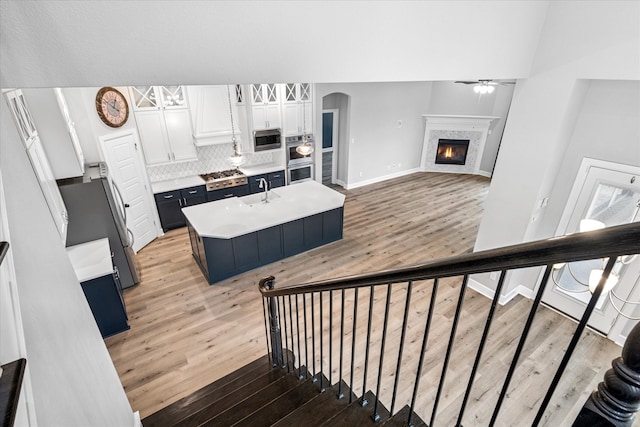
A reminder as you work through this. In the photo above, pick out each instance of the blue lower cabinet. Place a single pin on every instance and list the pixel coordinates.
(104, 296)
(225, 193)
(313, 231)
(220, 259)
(293, 237)
(270, 245)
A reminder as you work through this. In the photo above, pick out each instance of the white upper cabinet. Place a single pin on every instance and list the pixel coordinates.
(38, 158)
(297, 109)
(57, 131)
(265, 106)
(22, 116)
(210, 115)
(164, 124)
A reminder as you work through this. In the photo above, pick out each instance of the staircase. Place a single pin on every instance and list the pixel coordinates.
(260, 395)
(388, 343)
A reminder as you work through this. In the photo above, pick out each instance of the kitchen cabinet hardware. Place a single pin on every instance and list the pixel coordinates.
(170, 205)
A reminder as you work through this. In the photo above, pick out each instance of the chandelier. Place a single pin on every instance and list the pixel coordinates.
(584, 278)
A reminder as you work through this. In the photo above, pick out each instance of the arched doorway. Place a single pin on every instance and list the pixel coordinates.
(334, 134)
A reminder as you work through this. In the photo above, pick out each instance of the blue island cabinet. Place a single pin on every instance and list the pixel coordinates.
(220, 259)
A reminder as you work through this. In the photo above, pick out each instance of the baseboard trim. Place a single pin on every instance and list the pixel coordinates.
(483, 173)
(137, 422)
(504, 299)
(382, 178)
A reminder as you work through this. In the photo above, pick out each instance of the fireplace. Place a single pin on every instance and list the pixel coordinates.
(452, 151)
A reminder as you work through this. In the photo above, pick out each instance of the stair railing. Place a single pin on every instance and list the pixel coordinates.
(609, 243)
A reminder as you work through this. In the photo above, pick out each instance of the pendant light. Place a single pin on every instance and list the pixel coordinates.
(237, 159)
(304, 149)
(580, 285)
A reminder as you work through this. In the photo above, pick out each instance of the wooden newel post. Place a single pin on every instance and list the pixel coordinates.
(274, 324)
(617, 399)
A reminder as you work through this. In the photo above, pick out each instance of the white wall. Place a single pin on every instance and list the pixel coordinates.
(264, 41)
(597, 40)
(376, 143)
(74, 381)
(81, 102)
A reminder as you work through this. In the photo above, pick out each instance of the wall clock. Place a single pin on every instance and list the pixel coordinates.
(112, 107)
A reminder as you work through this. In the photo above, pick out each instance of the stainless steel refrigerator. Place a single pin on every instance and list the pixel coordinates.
(96, 210)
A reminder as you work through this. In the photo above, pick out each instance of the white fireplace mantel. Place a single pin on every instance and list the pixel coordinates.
(473, 128)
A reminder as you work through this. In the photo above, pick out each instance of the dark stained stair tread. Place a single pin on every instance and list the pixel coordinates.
(284, 404)
(400, 418)
(213, 408)
(250, 404)
(180, 409)
(356, 415)
(318, 409)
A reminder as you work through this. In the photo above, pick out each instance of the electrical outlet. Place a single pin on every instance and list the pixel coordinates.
(399, 123)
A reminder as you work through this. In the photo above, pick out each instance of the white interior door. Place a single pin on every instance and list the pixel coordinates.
(610, 196)
(127, 171)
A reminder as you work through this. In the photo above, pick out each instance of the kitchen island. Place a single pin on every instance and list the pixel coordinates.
(234, 235)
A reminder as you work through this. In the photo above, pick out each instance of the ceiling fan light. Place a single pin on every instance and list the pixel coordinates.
(477, 88)
(490, 89)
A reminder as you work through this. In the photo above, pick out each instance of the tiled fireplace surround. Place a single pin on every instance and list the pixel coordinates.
(473, 128)
(211, 158)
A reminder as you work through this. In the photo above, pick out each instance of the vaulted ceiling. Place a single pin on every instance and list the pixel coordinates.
(95, 43)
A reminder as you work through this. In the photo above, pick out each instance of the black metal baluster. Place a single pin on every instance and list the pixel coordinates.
(376, 416)
(330, 334)
(445, 365)
(266, 329)
(425, 338)
(366, 353)
(340, 394)
(285, 357)
(574, 340)
(402, 335)
(523, 339)
(483, 340)
(284, 320)
(313, 340)
(321, 331)
(353, 340)
(298, 331)
(291, 323)
(306, 338)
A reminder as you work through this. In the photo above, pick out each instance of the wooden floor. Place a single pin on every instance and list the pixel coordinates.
(185, 334)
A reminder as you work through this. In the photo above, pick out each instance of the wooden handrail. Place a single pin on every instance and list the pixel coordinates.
(611, 241)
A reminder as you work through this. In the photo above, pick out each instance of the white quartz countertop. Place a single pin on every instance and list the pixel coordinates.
(91, 259)
(260, 169)
(235, 216)
(176, 184)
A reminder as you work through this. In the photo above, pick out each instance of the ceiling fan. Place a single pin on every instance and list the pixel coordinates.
(484, 85)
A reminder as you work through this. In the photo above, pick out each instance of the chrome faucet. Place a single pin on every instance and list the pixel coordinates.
(265, 185)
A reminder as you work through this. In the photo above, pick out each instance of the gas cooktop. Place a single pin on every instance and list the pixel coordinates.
(224, 179)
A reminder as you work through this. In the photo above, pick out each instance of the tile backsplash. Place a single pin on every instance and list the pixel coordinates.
(211, 158)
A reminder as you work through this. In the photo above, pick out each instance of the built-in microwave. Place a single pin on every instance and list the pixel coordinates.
(267, 139)
(293, 157)
(300, 173)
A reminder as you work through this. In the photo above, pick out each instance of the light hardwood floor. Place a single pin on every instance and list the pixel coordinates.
(185, 334)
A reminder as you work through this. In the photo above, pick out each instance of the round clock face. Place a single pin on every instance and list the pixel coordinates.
(112, 107)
